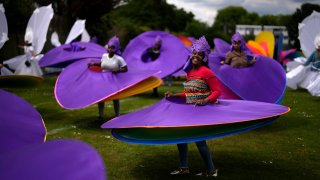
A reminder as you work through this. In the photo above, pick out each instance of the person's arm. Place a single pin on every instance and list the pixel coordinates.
(215, 88)
(122, 64)
(228, 58)
(33, 53)
(310, 59)
(122, 69)
(168, 94)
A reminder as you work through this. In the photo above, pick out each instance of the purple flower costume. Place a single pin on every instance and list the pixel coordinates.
(173, 54)
(25, 155)
(79, 86)
(172, 121)
(66, 54)
(263, 81)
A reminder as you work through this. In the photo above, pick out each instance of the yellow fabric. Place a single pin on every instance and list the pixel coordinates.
(143, 86)
(267, 37)
(45, 136)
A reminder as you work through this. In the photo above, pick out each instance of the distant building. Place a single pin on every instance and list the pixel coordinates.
(253, 30)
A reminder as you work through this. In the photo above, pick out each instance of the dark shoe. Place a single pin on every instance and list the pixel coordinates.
(213, 173)
(180, 170)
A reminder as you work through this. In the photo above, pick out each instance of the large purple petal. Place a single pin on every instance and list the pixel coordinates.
(78, 87)
(264, 81)
(65, 54)
(174, 113)
(56, 159)
(173, 53)
(221, 46)
(20, 123)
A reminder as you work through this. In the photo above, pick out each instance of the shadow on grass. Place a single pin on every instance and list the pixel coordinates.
(231, 166)
(89, 123)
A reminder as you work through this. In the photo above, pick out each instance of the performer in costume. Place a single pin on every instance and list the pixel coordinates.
(200, 88)
(175, 120)
(155, 50)
(314, 61)
(237, 57)
(30, 65)
(306, 75)
(111, 61)
(151, 54)
(246, 83)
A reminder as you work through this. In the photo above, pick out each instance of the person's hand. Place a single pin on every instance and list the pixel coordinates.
(202, 102)
(90, 64)
(167, 94)
(253, 60)
(221, 62)
(1, 65)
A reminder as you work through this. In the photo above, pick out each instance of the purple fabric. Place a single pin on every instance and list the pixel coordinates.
(20, 123)
(264, 81)
(192, 39)
(173, 113)
(61, 57)
(221, 46)
(179, 73)
(78, 87)
(56, 159)
(173, 53)
(201, 45)
(238, 38)
(114, 41)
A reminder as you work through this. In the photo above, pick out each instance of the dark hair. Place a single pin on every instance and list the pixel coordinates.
(206, 64)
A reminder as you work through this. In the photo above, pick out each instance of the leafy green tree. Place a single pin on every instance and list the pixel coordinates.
(227, 18)
(137, 16)
(17, 13)
(268, 20)
(297, 17)
(196, 29)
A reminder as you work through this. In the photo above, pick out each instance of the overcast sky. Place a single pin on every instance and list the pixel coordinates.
(206, 10)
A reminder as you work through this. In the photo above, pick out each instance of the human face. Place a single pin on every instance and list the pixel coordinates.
(197, 57)
(111, 50)
(237, 45)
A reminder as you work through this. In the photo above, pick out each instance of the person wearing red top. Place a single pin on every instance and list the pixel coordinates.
(200, 88)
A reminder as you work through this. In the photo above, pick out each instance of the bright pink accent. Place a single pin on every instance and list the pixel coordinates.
(226, 93)
(95, 68)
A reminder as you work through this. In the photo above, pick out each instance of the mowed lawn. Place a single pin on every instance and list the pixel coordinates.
(285, 149)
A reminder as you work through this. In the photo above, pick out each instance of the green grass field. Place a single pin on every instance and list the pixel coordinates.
(285, 149)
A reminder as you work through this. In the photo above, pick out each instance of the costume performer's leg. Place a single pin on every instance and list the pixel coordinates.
(101, 109)
(183, 154)
(116, 107)
(155, 92)
(205, 154)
